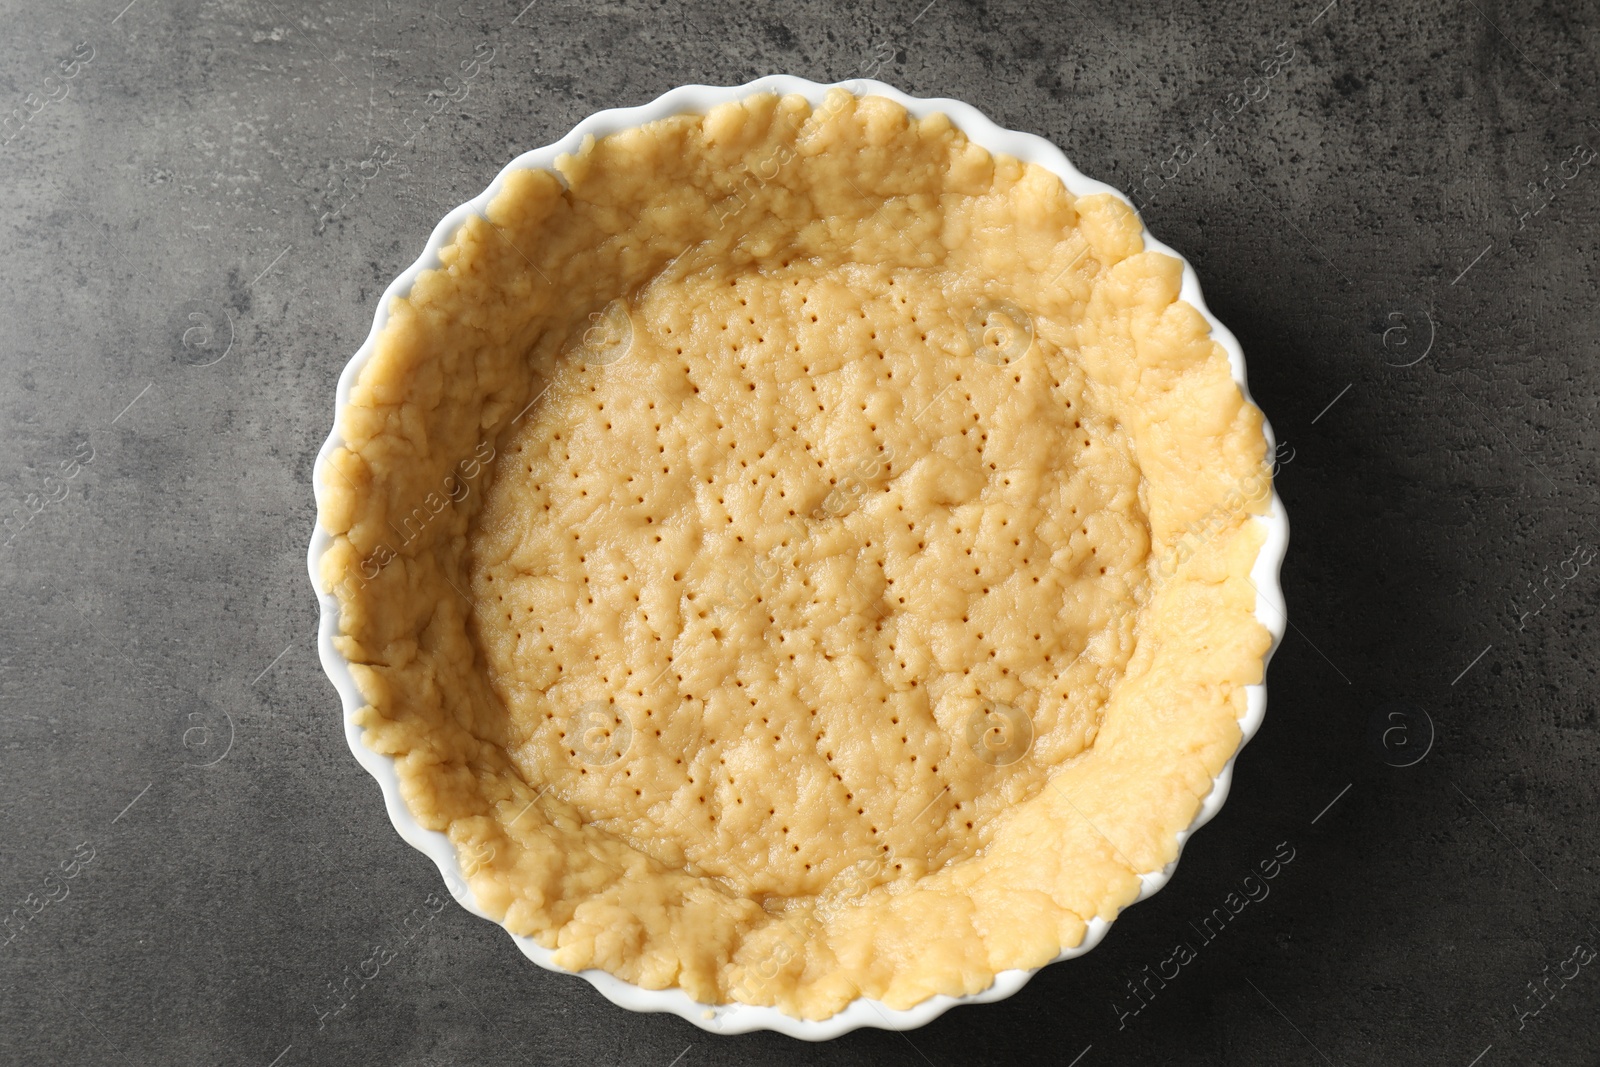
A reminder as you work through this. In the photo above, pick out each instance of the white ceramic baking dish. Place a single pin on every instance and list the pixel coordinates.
(738, 1018)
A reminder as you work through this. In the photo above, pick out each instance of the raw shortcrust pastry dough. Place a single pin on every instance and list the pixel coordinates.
(769, 551)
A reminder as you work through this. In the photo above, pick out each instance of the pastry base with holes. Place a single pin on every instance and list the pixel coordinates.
(798, 556)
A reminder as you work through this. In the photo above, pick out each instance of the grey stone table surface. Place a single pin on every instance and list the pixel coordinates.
(1393, 205)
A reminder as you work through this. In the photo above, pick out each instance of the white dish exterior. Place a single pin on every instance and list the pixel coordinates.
(740, 1018)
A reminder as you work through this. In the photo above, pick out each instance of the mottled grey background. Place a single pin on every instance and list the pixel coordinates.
(1401, 227)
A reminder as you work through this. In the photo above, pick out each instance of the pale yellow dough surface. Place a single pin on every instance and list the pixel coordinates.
(796, 555)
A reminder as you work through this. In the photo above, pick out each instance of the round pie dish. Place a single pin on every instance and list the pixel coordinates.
(671, 900)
